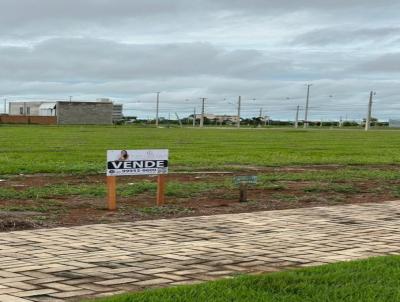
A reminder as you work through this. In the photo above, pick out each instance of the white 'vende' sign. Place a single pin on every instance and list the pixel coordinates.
(137, 162)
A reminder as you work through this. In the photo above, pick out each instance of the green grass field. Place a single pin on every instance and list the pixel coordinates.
(78, 149)
(372, 280)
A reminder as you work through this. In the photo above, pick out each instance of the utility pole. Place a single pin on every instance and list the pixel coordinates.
(194, 117)
(296, 123)
(70, 98)
(179, 120)
(157, 107)
(239, 108)
(307, 103)
(202, 112)
(368, 119)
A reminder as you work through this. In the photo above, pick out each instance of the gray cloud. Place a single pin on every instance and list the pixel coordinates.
(31, 18)
(348, 36)
(384, 64)
(103, 9)
(99, 60)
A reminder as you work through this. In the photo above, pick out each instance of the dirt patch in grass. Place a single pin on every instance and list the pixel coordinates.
(37, 201)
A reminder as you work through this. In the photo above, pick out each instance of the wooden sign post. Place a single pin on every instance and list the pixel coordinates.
(160, 190)
(243, 192)
(243, 182)
(136, 162)
(112, 192)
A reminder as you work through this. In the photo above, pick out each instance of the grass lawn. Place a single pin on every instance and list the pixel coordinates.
(360, 167)
(76, 149)
(371, 280)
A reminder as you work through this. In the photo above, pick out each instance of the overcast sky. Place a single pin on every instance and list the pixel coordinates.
(265, 51)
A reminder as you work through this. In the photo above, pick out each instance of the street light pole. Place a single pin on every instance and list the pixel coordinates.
(157, 107)
(296, 124)
(239, 109)
(307, 104)
(202, 112)
(369, 115)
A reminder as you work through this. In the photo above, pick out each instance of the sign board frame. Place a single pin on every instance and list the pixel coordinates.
(137, 162)
(245, 179)
(134, 163)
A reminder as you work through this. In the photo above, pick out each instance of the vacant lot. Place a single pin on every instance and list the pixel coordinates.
(51, 176)
(82, 149)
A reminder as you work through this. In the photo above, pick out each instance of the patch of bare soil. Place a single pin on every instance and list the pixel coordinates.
(17, 214)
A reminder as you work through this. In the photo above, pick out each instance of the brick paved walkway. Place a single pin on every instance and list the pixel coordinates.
(70, 263)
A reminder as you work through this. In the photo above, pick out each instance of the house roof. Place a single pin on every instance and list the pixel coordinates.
(47, 106)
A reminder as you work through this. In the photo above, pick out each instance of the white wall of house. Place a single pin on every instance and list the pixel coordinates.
(32, 108)
(24, 108)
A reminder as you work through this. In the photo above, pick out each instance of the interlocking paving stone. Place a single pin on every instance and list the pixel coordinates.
(116, 281)
(68, 294)
(8, 298)
(36, 292)
(67, 264)
(8, 290)
(156, 281)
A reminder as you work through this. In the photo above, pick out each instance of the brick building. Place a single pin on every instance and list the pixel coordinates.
(84, 113)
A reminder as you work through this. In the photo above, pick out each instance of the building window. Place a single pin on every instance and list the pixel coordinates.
(21, 110)
(28, 110)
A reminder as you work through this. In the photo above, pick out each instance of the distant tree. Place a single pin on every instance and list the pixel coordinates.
(374, 121)
(350, 124)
